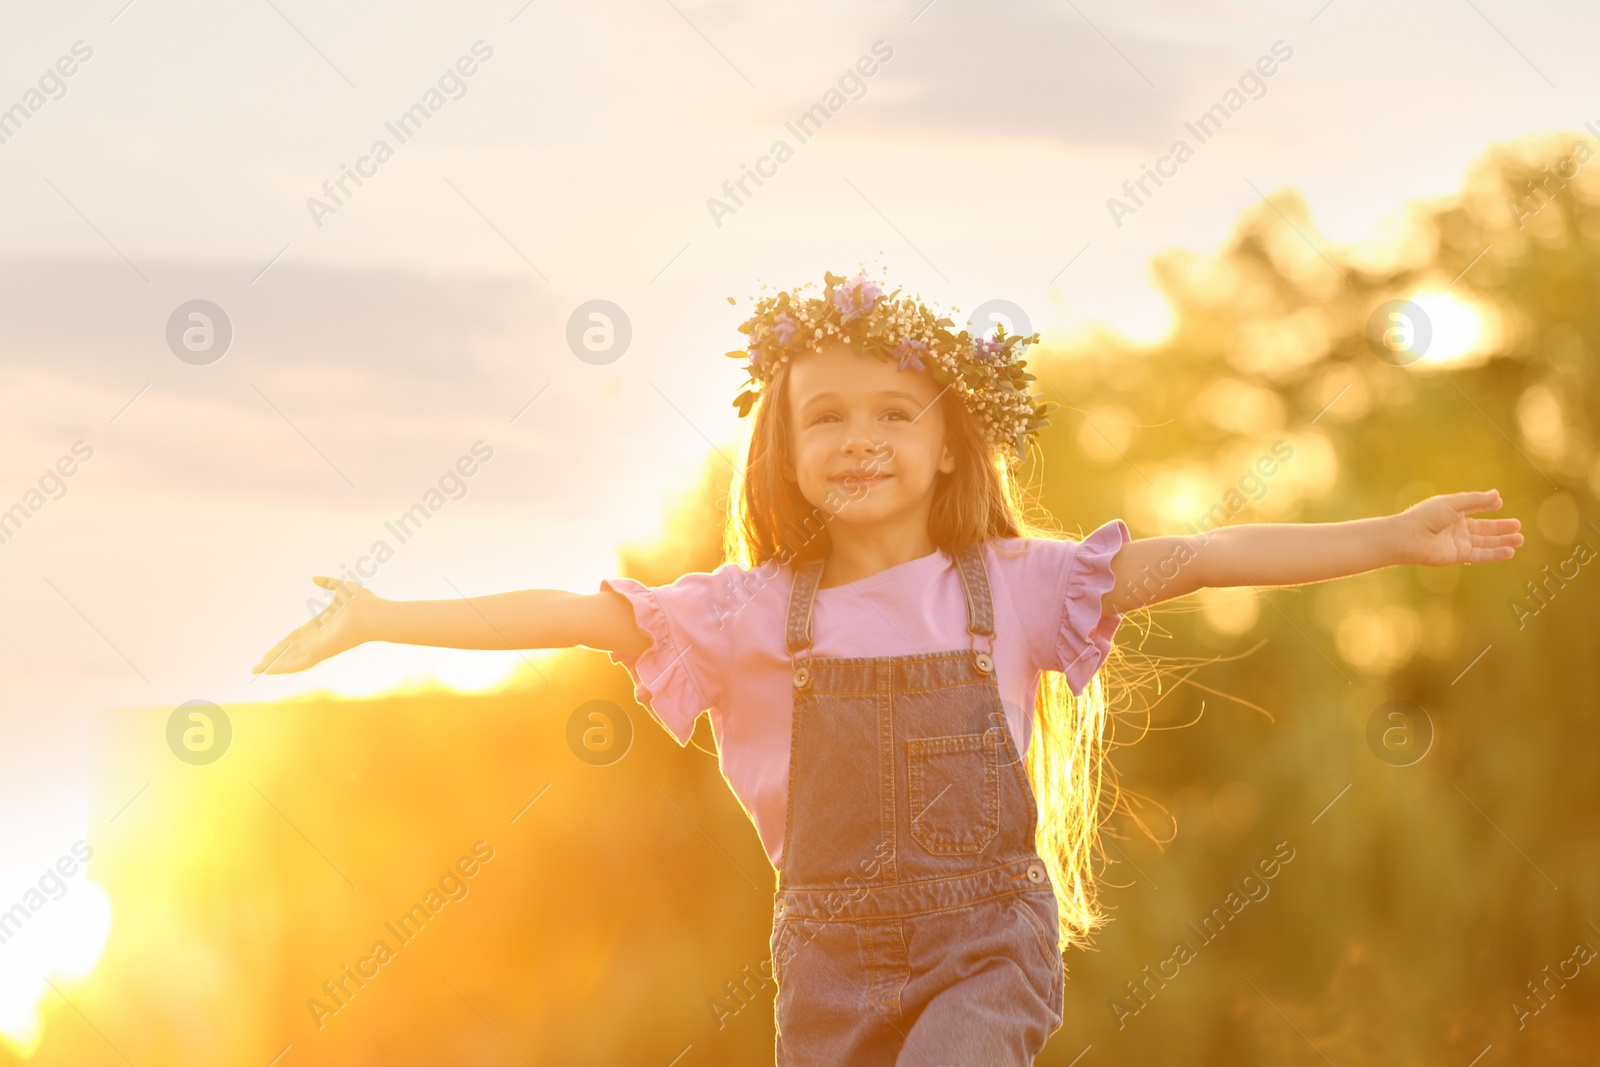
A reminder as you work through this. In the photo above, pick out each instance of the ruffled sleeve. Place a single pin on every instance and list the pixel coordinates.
(670, 677)
(1083, 640)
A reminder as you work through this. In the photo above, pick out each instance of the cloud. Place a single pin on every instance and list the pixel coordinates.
(1042, 70)
(378, 376)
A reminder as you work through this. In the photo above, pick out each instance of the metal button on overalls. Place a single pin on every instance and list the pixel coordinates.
(914, 922)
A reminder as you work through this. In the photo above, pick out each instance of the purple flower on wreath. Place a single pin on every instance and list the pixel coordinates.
(909, 353)
(783, 327)
(983, 350)
(857, 296)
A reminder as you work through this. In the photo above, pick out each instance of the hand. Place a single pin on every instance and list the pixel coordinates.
(342, 625)
(1437, 532)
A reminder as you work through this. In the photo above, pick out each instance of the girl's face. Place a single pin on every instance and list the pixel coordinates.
(867, 438)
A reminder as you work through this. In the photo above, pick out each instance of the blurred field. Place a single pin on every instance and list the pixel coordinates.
(595, 934)
(1423, 904)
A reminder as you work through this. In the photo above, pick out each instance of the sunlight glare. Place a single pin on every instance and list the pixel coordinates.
(1145, 318)
(1460, 329)
(63, 941)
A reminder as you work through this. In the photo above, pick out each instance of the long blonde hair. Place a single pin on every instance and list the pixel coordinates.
(980, 501)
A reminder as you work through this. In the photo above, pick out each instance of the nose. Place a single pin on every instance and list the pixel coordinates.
(861, 446)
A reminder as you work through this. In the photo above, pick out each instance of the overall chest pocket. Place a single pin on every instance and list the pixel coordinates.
(953, 789)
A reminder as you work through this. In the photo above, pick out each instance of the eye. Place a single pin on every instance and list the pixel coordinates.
(897, 413)
(824, 416)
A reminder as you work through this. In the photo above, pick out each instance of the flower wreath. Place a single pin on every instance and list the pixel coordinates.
(989, 376)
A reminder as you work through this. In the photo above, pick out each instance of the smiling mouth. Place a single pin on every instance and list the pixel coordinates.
(860, 477)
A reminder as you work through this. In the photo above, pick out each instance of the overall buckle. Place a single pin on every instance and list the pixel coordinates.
(982, 659)
(802, 672)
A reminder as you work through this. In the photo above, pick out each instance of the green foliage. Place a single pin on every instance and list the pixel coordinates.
(1423, 901)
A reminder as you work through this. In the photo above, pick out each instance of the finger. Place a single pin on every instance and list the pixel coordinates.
(344, 589)
(287, 665)
(296, 638)
(341, 588)
(1493, 526)
(273, 652)
(1488, 500)
(274, 665)
(294, 658)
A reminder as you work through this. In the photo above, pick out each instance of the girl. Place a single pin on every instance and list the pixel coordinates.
(889, 633)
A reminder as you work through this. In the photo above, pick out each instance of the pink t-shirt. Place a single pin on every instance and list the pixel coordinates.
(718, 644)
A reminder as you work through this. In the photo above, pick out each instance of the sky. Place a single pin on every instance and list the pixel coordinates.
(557, 155)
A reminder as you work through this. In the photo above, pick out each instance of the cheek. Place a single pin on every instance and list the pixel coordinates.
(923, 446)
(810, 455)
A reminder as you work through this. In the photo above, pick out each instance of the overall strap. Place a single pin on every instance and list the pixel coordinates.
(806, 579)
(975, 578)
(974, 581)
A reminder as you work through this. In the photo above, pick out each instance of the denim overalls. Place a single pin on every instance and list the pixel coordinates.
(914, 923)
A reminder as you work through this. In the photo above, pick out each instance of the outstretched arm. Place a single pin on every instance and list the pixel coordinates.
(1436, 532)
(529, 618)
